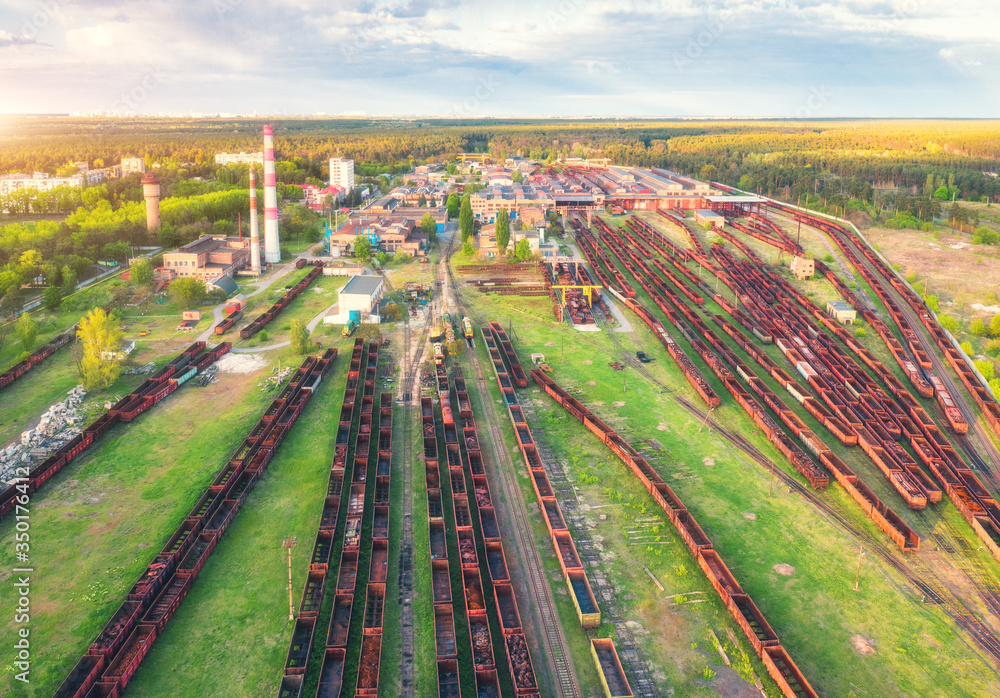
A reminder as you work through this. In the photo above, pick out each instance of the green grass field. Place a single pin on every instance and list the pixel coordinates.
(98, 523)
(919, 650)
(237, 610)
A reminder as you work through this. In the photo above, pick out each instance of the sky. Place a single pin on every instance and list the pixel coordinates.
(675, 58)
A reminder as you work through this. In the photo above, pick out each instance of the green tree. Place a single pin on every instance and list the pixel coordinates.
(187, 291)
(503, 230)
(100, 341)
(69, 280)
(995, 326)
(522, 250)
(27, 332)
(422, 201)
(362, 247)
(986, 367)
(466, 221)
(977, 327)
(116, 250)
(400, 257)
(141, 272)
(517, 176)
(967, 348)
(468, 248)
(949, 323)
(52, 298)
(429, 226)
(453, 205)
(985, 236)
(12, 302)
(299, 337)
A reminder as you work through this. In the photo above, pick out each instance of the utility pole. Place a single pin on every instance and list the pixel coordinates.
(624, 376)
(857, 575)
(290, 543)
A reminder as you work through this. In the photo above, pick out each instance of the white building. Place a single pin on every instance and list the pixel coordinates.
(361, 294)
(38, 180)
(342, 173)
(240, 158)
(133, 166)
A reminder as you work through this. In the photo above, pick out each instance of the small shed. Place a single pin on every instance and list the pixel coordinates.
(842, 312)
(803, 267)
(709, 219)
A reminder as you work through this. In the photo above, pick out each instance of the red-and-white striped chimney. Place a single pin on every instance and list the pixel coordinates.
(272, 250)
(254, 238)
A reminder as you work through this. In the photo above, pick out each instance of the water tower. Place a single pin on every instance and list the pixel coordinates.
(151, 193)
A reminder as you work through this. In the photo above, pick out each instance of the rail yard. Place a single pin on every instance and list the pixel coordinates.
(652, 464)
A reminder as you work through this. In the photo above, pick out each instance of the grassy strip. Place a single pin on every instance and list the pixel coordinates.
(98, 523)
(237, 610)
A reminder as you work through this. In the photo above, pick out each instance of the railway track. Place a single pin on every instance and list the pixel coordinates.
(559, 674)
(410, 370)
(978, 441)
(922, 578)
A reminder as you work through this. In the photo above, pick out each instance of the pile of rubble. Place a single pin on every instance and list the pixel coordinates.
(207, 376)
(149, 369)
(57, 425)
(276, 379)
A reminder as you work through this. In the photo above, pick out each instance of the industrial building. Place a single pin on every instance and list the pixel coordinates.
(842, 312)
(361, 296)
(208, 258)
(385, 232)
(709, 218)
(342, 173)
(803, 267)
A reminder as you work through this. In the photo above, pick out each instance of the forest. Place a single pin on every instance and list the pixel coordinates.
(903, 172)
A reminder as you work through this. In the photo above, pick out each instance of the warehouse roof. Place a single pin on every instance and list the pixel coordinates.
(226, 283)
(363, 285)
(735, 200)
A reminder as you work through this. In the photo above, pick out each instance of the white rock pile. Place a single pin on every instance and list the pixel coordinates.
(57, 425)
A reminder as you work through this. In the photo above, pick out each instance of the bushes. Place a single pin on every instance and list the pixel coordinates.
(949, 323)
(977, 327)
(967, 348)
(860, 332)
(985, 367)
(985, 236)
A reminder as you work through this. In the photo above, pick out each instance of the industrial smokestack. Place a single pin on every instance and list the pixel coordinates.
(254, 239)
(272, 250)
